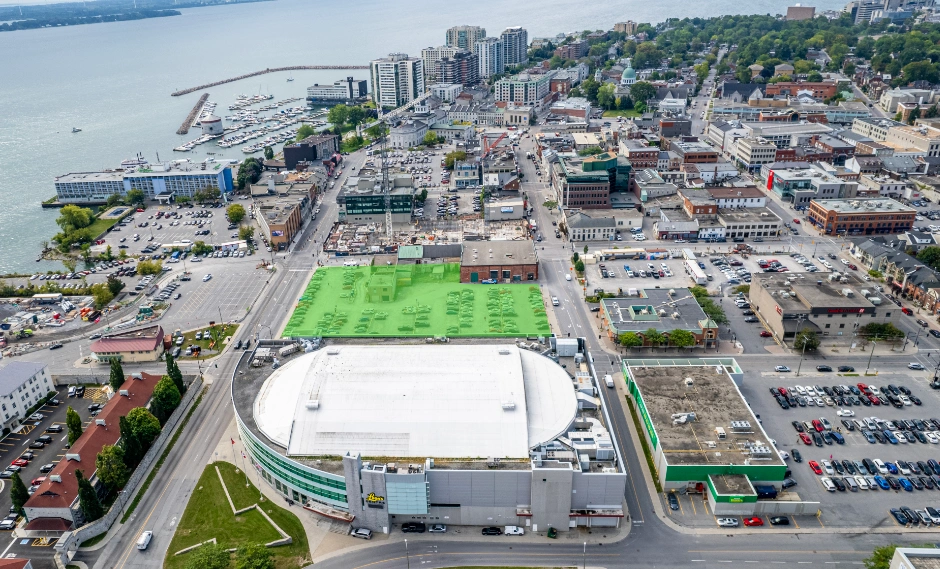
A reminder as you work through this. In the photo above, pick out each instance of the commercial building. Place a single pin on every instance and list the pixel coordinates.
(584, 227)
(891, 99)
(860, 217)
(918, 139)
(408, 133)
(478, 434)
(816, 90)
(738, 197)
(282, 216)
(640, 154)
(831, 304)
(747, 223)
(396, 80)
(524, 89)
(343, 91)
(694, 152)
(800, 186)
(662, 310)
(874, 128)
(489, 52)
(648, 185)
(462, 68)
(158, 182)
(515, 46)
(702, 433)
(752, 153)
(139, 345)
(446, 92)
(786, 135)
(578, 107)
(465, 37)
(313, 149)
(362, 200)
(22, 385)
(915, 558)
(502, 261)
(504, 209)
(54, 507)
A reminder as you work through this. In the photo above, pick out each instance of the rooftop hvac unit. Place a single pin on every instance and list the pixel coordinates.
(124, 392)
(741, 425)
(55, 477)
(504, 352)
(875, 300)
(332, 352)
(848, 293)
(689, 382)
(100, 422)
(508, 405)
(719, 370)
(73, 456)
(313, 404)
(672, 292)
(137, 375)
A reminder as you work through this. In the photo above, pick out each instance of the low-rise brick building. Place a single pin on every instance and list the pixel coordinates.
(861, 217)
(500, 261)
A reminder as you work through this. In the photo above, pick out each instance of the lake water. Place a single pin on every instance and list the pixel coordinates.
(114, 80)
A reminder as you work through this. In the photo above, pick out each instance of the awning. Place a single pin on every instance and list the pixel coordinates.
(49, 524)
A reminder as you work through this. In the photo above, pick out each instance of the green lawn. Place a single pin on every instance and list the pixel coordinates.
(208, 515)
(622, 113)
(100, 226)
(414, 301)
(217, 334)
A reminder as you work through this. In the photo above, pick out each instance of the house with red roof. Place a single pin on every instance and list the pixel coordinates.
(140, 345)
(54, 506)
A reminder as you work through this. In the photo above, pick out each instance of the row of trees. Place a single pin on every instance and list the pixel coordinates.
(709, 307)
(653, 337)
(249, 171)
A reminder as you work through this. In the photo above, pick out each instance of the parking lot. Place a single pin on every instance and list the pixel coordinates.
(225, 297)
(15, 445)
(861, 507)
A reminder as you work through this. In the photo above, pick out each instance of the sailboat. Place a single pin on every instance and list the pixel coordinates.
(74, 129)
(290, 78)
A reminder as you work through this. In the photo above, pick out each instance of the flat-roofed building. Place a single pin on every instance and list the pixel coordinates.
(313, 149)
(362, 200)
(500, 261)
(921, 138)
(860, 217)
(341, 91)
(747, 223)
(752, 153)
(663, 310)
(874, 128)
(22, 386)
(694, 152)
(738, 197)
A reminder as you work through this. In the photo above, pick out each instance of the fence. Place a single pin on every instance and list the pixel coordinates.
(68, 544)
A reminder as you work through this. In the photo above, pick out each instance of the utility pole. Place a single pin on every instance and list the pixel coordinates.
(802, 352)
(873, 341)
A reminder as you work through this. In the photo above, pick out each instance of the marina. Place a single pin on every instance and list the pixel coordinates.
(262, 72)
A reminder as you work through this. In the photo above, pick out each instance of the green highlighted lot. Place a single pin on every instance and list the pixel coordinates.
(414, 301)
(208, 515)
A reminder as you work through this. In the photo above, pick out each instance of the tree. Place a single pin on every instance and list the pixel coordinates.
(356, 115)
(74, 424)
(682, 338)
(19, 494)
(113, 200)
(72, 217)
(338, 115)
(111, 469)
(641, 91)
(605, 95)
(451, 157)
(377, 131)
(174, 373)
(585, 249)
(879, 331)
(931, 112)
(166, 397)
(133, 449)
(115, 285)
(701, 71)
(630, 340)
(653, 337)
(814, 77)
(930, 256)
(235, 212)
(88, 499)
(430, 139)
(116, 378)
(134, 197)
(150, 267)
(144, 425)
(806, 339)
(304, 131)
(914, 115)
(70, 264)
(880, 557)
(209, 556)
(101, 294)
(268, 153)
(579, 266)
(249, 172)
(254, 556)
(575, 257)
(246, 233)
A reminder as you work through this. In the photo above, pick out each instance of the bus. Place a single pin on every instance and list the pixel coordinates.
(695, 272)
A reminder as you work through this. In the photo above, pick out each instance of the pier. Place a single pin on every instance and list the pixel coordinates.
(262, 72)
(184, 128)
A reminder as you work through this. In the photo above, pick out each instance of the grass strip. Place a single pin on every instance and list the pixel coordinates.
(166, 451)
(645, 445)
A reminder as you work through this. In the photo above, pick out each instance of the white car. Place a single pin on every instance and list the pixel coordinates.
(820, 402)
(728, 522)
(513, 530)
(801, 390)
(880, 465)
(827, 466)
(554, 301)
(207, 277)
(932, 438)
(916, 366)
(37, 417)
(845, 413)
(827, 484)
(905, 399)
(782, 369)
(862, 483)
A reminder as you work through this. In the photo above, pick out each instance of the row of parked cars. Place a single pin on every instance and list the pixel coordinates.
(842, 395)
(418, 527)
(877, 474)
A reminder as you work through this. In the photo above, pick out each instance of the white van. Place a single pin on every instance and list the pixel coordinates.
(350, 263)
(144, 540)
(72, 391)
(608, 380)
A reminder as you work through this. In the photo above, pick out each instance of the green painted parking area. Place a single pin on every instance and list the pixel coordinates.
(414, 300)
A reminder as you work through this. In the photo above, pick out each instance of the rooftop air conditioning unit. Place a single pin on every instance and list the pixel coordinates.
(100, 422)
(124, 392)
(73, 456)
(313, 404)
(55, 477)
(137, 376)
(508, 405)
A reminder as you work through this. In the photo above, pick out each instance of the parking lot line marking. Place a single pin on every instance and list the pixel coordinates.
(691, 501)
(705, 505)
(795, 523)
(819, 519)
(4, 554)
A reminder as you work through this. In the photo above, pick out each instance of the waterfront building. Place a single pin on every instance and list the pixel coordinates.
(157, 181)
(396, 80)
(341, 91)
(465, 37)
(515, 46)
(462, 68)
(431, 55)
(489, 52)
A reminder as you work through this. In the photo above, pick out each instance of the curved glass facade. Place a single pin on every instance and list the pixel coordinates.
(320, 486)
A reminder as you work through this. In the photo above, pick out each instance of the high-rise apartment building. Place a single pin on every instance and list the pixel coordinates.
(628, 27)
(431, 55)
(465, 37)
(462, 68)
(515, 46)
(489, 52)
(396, 79)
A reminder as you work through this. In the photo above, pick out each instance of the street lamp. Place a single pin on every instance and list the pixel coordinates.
(584, 556)
(867, 367)
(407, 556)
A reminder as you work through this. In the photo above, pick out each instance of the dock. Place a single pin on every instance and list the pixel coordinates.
(184, 128)
(262, 72)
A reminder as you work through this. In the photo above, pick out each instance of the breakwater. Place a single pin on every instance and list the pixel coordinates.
(184, 128)
(262, 72)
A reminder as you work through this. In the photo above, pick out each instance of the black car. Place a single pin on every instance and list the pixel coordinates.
(492, 531)
(788, 483)
(904, 390)
(916, 400)
(37, 445)
(95, 406)
(798, 426)
(849, 425)
(53, 402)
(838, 466)
(797, 457)
(779, 521)
(55, 346)
(893, 389)
(840, 485)
(80, 391)
(893, 482)
(823, 368)
(846, 368)
(46, 468)
(413, 527)
(934, 465)
(673, 501)
(899, 516)
(927, 482)
(817, 438)
(54, 429)
(849, 467)
(910, 515)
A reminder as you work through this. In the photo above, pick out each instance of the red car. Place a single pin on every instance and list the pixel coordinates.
(753, 522)
(874, 400)
(805, 438)
(20, 462)
(815, 466)
(861, 387)
(765, 334)
(783, 391)
(853, 267)
(818, 426)
(907, 311)
(796, 221)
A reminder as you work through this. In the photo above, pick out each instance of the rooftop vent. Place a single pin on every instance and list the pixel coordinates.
(508, 405)
(55, 478)
(100, 422)
(73, 456)
(313, 404)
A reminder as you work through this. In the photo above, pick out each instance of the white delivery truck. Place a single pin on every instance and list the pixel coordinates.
(609, 380)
